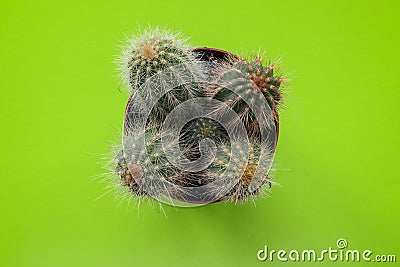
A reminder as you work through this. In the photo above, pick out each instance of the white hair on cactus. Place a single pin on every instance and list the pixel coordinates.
(150, 51)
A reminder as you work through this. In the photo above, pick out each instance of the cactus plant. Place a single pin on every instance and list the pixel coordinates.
(152, 51)
(248, 87)
(238, 168)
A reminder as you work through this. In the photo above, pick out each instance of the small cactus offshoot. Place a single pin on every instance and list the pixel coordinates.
(201, 124)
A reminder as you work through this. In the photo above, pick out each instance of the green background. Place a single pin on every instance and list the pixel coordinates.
(62, 109)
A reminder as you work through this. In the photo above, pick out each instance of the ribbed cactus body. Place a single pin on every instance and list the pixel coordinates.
(151, 52)
(263, 77)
